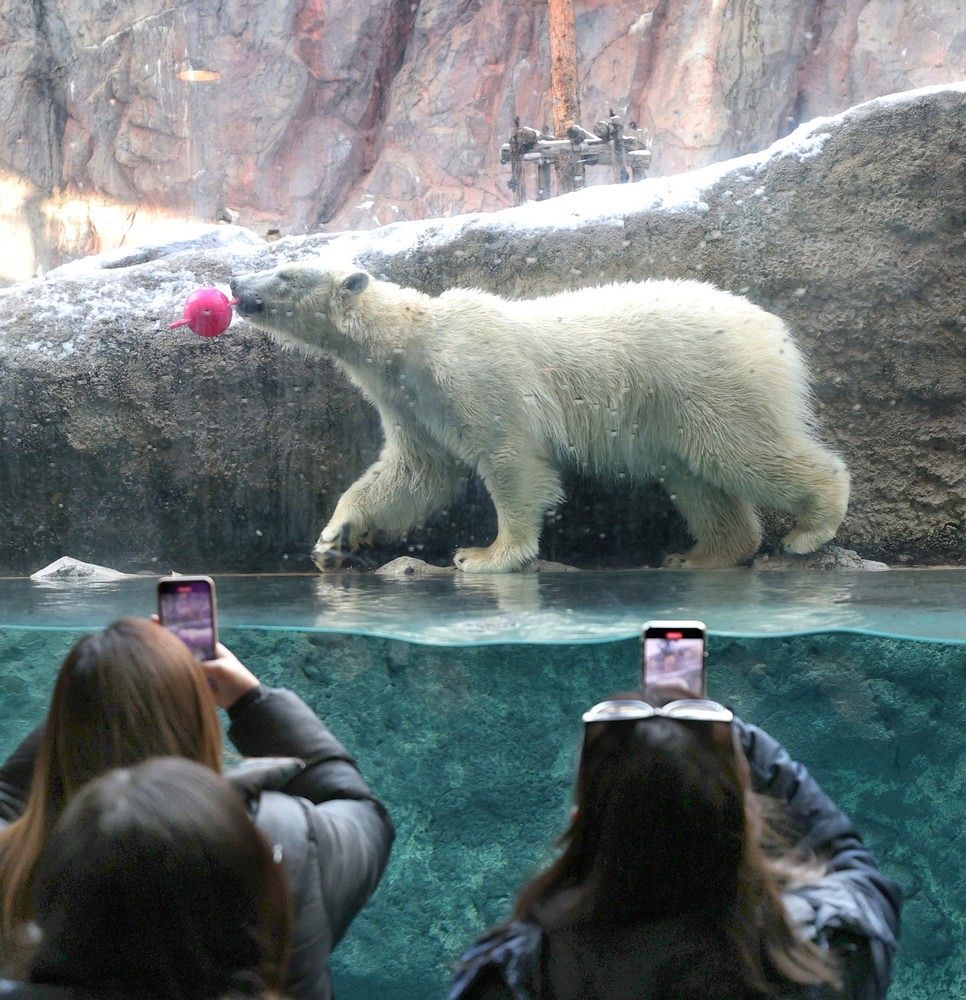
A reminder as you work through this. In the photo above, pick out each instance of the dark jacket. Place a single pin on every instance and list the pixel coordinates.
(332, 834)
(10, 990)
(853, 909)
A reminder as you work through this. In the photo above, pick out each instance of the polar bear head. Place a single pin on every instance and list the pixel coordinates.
(308, 305)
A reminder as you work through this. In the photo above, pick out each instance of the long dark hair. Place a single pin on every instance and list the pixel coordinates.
(123, 695)
(665, 825)
(156, 883)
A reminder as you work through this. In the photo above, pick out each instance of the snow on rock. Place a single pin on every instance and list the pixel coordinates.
(165, 241)
(609, 204)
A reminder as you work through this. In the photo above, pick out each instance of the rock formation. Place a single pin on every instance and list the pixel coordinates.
(138, 447)
(356, 113)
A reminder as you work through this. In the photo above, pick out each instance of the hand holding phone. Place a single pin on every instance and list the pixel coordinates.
(228, 677)
(186, 607)
(672, 661)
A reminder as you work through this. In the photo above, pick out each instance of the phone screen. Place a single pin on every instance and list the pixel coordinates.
(186, 607)
(672, 664)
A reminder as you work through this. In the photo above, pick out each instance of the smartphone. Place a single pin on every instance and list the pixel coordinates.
(186, 607)
(672, 660)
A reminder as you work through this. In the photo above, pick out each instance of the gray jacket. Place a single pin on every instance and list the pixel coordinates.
(333, 835)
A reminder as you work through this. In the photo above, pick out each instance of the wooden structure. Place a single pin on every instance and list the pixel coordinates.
(623, 149)
(609, 143)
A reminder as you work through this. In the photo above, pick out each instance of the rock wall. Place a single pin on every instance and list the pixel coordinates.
(355, 113)
(125, 444)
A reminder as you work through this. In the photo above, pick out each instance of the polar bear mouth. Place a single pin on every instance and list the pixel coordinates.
(249, 305)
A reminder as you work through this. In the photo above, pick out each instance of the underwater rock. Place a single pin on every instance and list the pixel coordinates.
(144, 446)
(68, 570)
(827, 557)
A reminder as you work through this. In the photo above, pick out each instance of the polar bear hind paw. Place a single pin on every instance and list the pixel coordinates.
(801, 542)
(476, 560)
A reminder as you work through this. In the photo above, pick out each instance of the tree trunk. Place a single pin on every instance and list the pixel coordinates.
(563, 86)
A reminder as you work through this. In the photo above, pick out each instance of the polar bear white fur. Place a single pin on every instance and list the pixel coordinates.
(675, 380)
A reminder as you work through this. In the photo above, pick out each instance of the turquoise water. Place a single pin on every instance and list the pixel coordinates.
(473, 746)
(460, 609)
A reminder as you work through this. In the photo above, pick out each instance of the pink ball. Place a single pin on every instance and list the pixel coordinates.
(207, 312)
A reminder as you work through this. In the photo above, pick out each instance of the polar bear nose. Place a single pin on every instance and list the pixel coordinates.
(247, 304)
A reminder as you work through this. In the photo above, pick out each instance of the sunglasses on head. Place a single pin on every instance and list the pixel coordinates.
(687, 710)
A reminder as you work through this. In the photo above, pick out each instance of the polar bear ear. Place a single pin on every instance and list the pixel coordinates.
(355, 283)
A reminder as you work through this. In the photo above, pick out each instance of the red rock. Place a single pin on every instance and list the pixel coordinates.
(355, 113)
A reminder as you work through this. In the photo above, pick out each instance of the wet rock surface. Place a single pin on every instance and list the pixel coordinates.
(407, 566)
(827, 557)
(125, 443)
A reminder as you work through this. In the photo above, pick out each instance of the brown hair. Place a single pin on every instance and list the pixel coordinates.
(665, 826)
(122, 695)
(156, 883)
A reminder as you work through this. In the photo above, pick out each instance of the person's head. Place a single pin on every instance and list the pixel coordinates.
(665, 825)
(660, 823)
(155, 882)
(123, 695)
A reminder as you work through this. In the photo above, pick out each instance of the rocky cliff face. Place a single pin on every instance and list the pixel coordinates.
(127, 444)
(354, 113)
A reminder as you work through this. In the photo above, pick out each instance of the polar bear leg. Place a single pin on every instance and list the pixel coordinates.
(822, 501)
(725, 527)
(392, 496)
(797, 475)
(522, 490)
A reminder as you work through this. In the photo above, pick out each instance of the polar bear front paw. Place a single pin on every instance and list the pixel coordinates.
(489, 560)
(336, 545)
(327, 556)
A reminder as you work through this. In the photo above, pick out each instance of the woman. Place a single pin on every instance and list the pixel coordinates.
(134, 691)
(663, 888)
(155, 883)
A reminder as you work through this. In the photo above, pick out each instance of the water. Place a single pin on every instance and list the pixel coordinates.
(461, 700)
(463, 609)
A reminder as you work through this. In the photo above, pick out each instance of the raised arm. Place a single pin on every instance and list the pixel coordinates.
(350, 825)
(854, 898)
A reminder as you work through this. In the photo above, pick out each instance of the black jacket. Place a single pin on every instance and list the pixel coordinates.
(853, 909)
(334, 836)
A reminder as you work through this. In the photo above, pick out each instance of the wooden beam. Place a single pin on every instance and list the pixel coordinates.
(563, 85)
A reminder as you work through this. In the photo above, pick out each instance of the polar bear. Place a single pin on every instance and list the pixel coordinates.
(675, 380)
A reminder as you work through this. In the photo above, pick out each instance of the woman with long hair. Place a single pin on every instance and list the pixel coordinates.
(134, 691)
(670, 884)
(155, 883)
